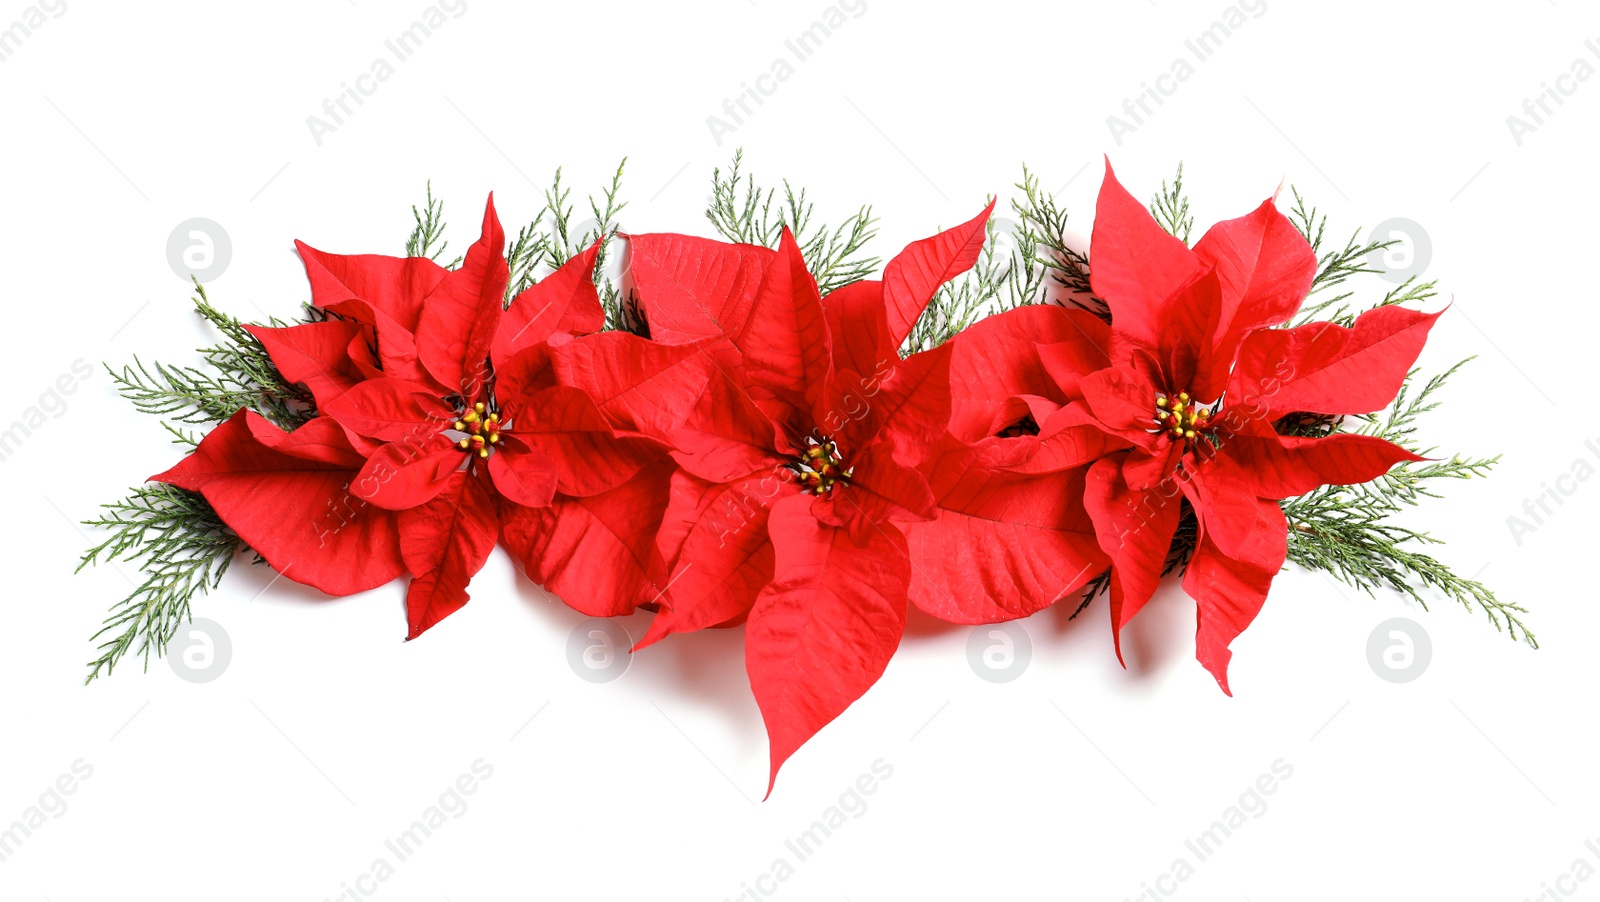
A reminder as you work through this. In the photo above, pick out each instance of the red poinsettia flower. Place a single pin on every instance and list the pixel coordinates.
(799, 464)
(443, 431)
(474, 427)
(1196, 382)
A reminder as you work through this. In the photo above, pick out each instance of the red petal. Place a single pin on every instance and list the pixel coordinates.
(1124, 403)
(640, 385)
(564, 428)
(822, 633)
(394, 286)
(991, 363)
(446, 542)
(287, 496)
(521, 475)
(391, 410)
(1324, 368)
(1265, 268)
(716, 538)
(692, 288)
(909, 409)
(727, 435)
(461, 315)
(597, 553)
(1002, 545)
(564, 301)
(718, 458)
(1186, 348)
(404, 474)
(1276, 466)
(1243, 544)
(784, 342)
(882, 487)
(317, 355)
(397, 347)
(1134, 528)
(1068, 438)
(915, 274)
(860, 328)
(1134, 264)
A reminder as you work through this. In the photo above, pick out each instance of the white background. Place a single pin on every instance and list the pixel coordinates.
(327, 735)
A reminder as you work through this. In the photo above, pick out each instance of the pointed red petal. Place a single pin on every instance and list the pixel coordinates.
(1124, 404)
(446, 542)
(1324, 368)
(391, 410)
(1134, 264)
(522, 475)
(1243, 544)
(287, 497)
(394, 286)
(726, 435)
(691, 288)
(461, 316)
(404, 474)
(1134, 528)
(822, 633)
(1265, 267)
(860, 328)
(564, 301)
(1186, 350)
(784, 342)
(639, 384)
(1067, 438)
(597, 553)
(915, 274)
(316, 355)
(1276, 466)
(567, 432)
(716, 539)
(882, 488)
(397, 346)
(908, 409)
(1002, 545)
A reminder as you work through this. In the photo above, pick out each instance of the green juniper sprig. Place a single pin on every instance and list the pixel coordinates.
(1171, 208)
(182, 548)
(427, 235)
(835, 256)
(174, 536)
(236, 372)
(1347, 530)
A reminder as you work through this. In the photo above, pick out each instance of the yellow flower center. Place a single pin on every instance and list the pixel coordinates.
(1180, 418)
(820, 468)
(482, 430)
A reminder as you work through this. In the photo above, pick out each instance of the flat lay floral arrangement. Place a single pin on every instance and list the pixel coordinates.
(762, 430)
